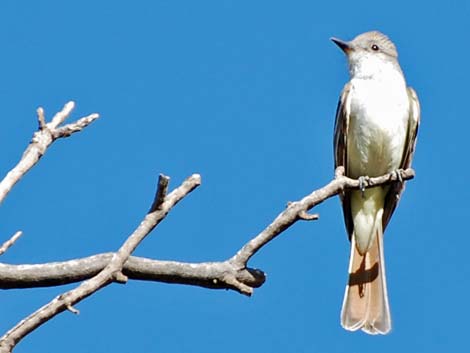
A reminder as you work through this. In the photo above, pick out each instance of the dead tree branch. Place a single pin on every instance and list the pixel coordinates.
(205, 274)
(42, 139)
(10, 242)
(101, 270)
(230, 274)
(112, 272)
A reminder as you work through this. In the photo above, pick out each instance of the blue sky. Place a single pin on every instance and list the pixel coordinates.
(244, 93)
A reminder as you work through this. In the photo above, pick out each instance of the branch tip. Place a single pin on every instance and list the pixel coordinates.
(72, 309)
(6, 245)
(69, 106)
(197, 178)
(41, 118)
(308, 217)
(162, 191)
(120, 277)
(60, 117)
(239, 286)
(194, 179)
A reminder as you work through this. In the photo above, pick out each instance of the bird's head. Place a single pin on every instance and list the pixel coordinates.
(369, 53)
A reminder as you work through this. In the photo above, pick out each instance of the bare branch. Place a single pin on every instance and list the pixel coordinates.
(297, 210)
(108, 274)
(228, 274)
(205, 274)
(6, 245)
(42, 139)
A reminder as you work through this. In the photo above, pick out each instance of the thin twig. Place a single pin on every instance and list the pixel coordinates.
(73, 310)
(6, 245)
(62, 115)
(308, 217)
(79, 125)
(41, 118)
(162, 190)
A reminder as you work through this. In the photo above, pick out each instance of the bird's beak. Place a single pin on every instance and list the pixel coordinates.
(345, 46)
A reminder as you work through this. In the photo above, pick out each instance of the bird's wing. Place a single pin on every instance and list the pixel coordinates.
(340, 150)
(396, 189)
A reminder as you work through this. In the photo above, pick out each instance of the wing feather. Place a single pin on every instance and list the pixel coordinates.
(340, 151)
(393, 195)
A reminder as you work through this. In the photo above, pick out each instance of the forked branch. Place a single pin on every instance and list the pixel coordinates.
(233, 273)
(113, 269)
(42, 139)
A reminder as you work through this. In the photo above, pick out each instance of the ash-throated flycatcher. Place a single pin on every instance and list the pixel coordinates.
(375, 132)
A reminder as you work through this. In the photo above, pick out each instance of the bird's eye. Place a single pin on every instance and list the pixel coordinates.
(374, 47)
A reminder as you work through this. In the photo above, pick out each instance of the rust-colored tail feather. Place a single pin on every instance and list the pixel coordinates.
(365, 304)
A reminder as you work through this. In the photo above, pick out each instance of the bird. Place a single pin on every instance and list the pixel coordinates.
(375, 132)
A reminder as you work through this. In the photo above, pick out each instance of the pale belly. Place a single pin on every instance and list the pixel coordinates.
(377, 128)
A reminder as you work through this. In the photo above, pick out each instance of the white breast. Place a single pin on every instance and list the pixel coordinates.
(379, 111)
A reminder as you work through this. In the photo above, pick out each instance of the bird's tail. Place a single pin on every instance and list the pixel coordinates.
(365, 304)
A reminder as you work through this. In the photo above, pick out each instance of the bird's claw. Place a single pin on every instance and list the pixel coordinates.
(398, 175)
(363, 183)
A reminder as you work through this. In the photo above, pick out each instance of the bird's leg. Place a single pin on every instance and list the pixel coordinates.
(363, 183)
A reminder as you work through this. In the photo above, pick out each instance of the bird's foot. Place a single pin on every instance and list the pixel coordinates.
(397, 173)
(363, 183)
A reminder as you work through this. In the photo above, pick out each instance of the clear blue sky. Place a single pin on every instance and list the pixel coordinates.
(244, 93)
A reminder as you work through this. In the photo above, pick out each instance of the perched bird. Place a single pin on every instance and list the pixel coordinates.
(375, 133)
